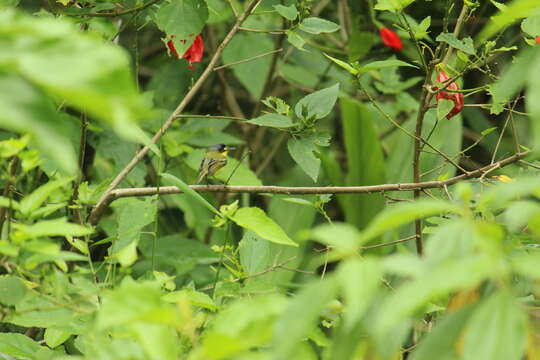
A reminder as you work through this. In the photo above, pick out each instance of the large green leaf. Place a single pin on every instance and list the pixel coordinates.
(75, 68)
(315, 25)
(21, 347)
(33, 201)
(318, 104)
(440, 343)
(517, 9)
(255, 219)
(459, 274)
(300, 317)
(12, 290)
(26, 110)
(252, 74)
(405, 213)
(365, 162)
(183, 19)
(303, 152)
(497, 330)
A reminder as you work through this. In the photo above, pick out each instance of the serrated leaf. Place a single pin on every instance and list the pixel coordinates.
(466, 45)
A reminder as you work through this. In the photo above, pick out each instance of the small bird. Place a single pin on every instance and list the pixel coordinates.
(214, 160)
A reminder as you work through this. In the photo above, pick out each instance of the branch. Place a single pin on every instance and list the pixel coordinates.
(304, 190)
(189, 96)
(248, 59)
(124, 12)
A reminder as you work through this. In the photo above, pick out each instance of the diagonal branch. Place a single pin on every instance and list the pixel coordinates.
(185, 101)
(288, 190)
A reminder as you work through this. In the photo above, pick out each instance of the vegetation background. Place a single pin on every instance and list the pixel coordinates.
(382, 202)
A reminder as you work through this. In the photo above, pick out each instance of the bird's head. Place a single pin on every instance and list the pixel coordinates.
(221, 148)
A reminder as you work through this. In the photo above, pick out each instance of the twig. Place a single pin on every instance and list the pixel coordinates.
(530, 164)
(390, 242)
(457, 29)
(210, 117)
(123, 12)
(248, 59)
(189, 96)
(164, 190)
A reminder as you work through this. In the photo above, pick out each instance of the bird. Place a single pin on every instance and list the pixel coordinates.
(214, 160)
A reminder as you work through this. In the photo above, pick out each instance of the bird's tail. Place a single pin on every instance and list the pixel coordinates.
(201, 176)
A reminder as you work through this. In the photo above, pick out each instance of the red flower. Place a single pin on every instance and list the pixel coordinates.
(193, 54)
(457, 98)
(390, 39)
(537, 39)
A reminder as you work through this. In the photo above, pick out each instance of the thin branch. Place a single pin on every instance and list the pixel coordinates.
(123, 12)
(210, 117)
(189, 96)
(457, 29)
(390, 242)
(304, 190)
(248, 59)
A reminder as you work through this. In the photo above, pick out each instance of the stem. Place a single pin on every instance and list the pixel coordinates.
(304, 190)
(124, 12)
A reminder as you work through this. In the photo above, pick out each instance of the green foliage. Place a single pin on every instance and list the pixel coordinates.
(441, 270)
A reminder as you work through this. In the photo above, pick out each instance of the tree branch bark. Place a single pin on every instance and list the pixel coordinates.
(164, 190)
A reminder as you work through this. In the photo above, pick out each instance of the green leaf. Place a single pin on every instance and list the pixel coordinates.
(21, 347)
(466, 45)
(526, 264)
(531, 25)
(343, 237)
(183, 19)
(55, 227)
(376, 65)
(26, 110)
(343, 64)
(458, 274)
(302, 151)
(272, 120)
(12, 290)
(315, 25)
(44, 51)
(444, 106)
(319, 103)
(159, 341)
(515, 10)
(190, 192)
(405, 213)
(443, 338)
(300, 317)
(288, 12)
(33, 201)
(244, 46)
(497, 330)
(296, 40)
(54, 337)
(359, 279)
(513, 78)
(392, 5)
(255, 219)
(365, 162)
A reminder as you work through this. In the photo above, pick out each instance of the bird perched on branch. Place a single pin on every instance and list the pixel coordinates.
(214, 160)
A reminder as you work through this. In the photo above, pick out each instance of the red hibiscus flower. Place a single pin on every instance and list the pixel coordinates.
(390, 39)
(537, 39)
(456, 97)
(193, 54)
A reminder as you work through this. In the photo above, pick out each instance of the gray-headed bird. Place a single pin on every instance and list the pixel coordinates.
(214, 160)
